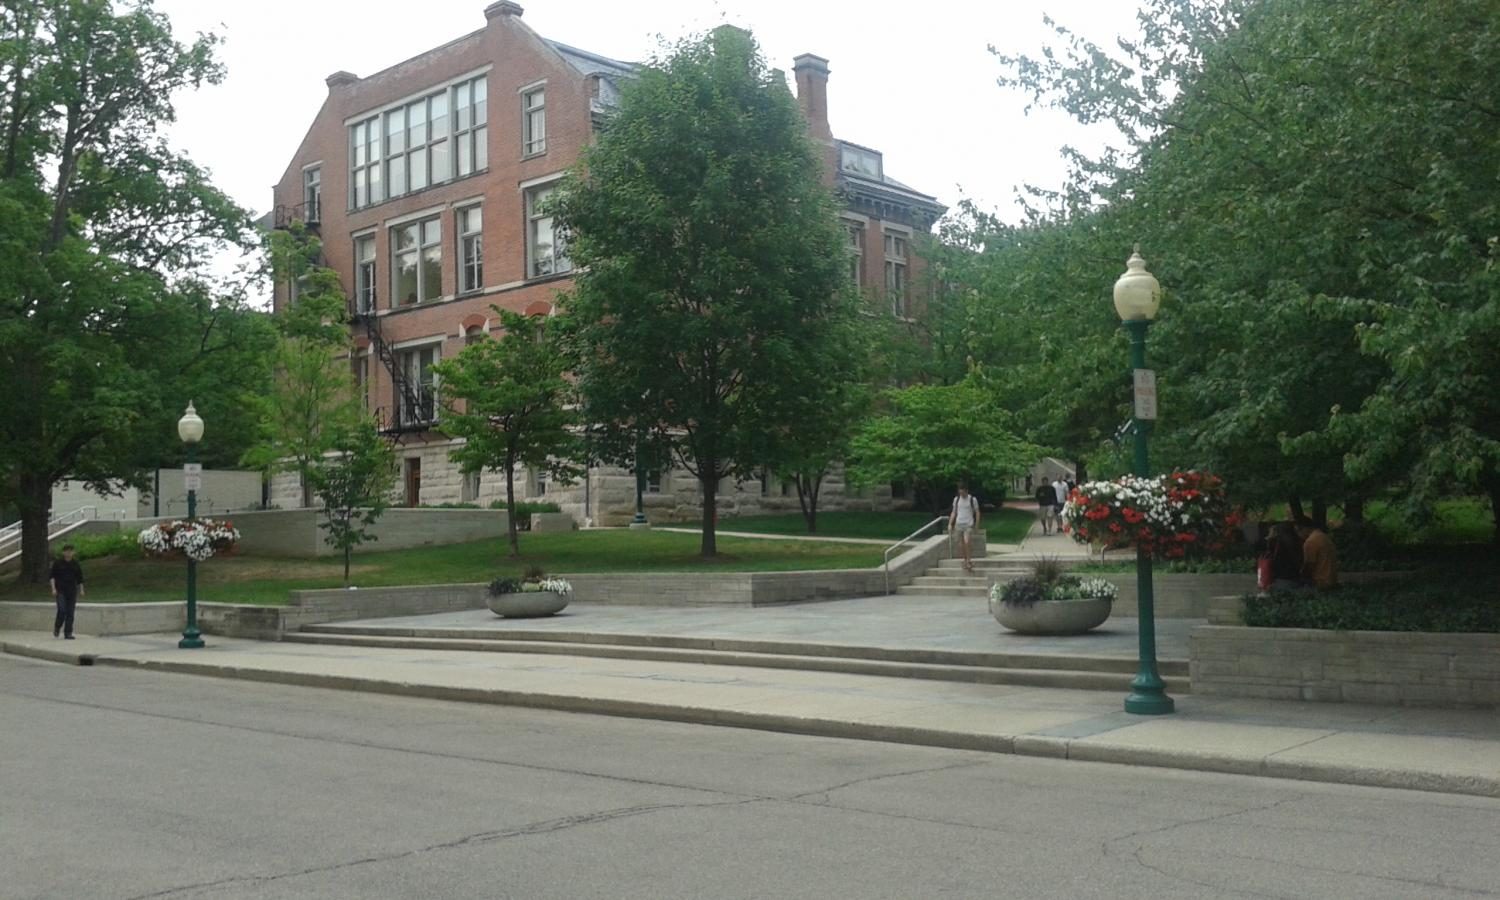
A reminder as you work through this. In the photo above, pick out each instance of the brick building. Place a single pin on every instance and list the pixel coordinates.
(424, 182)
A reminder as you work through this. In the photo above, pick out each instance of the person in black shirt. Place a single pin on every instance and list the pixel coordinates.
(1046, 499)
(67, 587)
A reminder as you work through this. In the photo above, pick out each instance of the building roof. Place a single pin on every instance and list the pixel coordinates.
(592, 63)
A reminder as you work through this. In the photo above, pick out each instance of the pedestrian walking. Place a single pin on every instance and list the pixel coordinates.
(1059, 487)
(963, 519)
(1046, 498)
(67, 587)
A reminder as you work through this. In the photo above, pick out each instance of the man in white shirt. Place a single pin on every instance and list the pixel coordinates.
(963, 519)
(1060, 487)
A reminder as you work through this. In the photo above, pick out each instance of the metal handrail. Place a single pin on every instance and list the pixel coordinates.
(11, 531)
(904, 540)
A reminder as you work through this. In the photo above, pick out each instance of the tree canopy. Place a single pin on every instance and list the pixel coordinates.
(109, 321)
(711, 266)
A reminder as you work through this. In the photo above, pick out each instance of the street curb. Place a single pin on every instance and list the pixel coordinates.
(1041, 746)
(47, 654)
(1065, 679)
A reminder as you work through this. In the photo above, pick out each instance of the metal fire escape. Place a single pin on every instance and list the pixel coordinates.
(415, 404)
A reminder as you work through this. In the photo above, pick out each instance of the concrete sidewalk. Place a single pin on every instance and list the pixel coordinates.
(1452, 751)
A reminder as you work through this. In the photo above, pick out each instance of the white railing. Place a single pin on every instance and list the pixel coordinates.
(12, 532)
(941, 520)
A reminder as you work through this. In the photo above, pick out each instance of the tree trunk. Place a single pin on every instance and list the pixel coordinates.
(1294, 508)
(348, 552)
(807, 497)
(1354, 510)
(510, 507)
(710, 486)
(1320, 513)
(1082, 472)
(35, 502)
(306, 484)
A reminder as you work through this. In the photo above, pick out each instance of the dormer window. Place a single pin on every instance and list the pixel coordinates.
(859, 161)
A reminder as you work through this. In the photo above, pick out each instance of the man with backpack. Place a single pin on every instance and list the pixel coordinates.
(963, 519)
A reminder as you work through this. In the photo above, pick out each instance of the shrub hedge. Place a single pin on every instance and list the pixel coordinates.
(1442, 606)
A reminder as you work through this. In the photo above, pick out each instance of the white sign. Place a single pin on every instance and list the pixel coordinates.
(192, 469)
(192, 482)
(1145, 395)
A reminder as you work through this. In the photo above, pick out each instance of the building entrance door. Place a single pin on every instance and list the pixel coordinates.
(414, 481)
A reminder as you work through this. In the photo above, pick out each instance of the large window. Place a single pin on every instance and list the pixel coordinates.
(895, 273)
(470, 250)
(534, 122)
(364, 274)
(546, 248)
(427, 141)
(312, 194)
(470, 134)
(856, 233)
(417, 405)
(364, 163)
(417, 262)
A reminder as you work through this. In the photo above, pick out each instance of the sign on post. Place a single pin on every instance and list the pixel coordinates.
(1145, 395)
(192, 477)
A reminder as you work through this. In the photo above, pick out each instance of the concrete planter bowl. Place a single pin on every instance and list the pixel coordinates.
(528, 604)
(1051, 616)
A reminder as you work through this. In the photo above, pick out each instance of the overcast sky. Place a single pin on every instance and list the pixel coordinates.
(914, 80)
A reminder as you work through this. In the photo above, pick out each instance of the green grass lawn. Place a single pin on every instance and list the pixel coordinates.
(1005, 525)
(264, 580)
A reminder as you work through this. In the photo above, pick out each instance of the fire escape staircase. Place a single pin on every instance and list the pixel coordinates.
(415, 407)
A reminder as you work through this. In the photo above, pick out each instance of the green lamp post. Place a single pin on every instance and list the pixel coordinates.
(1137, 298)
(190, 429)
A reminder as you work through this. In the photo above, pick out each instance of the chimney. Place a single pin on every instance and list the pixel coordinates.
(503, 8)
(812, 94)
(339, 79)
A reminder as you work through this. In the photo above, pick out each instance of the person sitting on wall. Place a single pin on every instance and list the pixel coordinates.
(1283, 558)
(1320, 561)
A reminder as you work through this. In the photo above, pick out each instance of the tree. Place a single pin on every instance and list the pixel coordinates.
(313, 401)
(353, 483)
(710, 260)
(1313, 184)
(937, 436)
(510, 401)
(107, 317)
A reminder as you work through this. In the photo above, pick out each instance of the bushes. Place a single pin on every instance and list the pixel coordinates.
(97, 546)
(1404, 606)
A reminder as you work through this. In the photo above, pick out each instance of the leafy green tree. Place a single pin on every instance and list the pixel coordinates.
(710, 260)
(934, 436)
(511, 402)
(1312, 183)
(107, 317)
(353, 483)
(312, 402)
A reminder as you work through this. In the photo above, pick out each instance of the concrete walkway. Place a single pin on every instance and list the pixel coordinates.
(1436, 750)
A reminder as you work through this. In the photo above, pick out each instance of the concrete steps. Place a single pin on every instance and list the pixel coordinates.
(1034, 670)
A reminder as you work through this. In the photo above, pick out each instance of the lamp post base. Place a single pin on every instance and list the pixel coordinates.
(1149, 701)
(190, 641)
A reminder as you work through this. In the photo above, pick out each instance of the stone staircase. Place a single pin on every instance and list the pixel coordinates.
(948, 578)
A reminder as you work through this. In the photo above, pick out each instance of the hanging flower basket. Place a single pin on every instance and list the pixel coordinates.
(197, 539)
(1180, 514)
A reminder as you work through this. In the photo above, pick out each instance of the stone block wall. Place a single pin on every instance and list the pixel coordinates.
(96, 618)
(295, 532)
(1381, 667)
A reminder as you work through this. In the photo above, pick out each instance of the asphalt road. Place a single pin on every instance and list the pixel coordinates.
(120, 784)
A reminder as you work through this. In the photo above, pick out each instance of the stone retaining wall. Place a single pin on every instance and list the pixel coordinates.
(295, 532)
(95, 618)
(1384, 667)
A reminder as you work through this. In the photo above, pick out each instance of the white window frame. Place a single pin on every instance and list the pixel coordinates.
(897, 244)
(469, 487)
(312, 193)
(405, 355)
(360, 363)
(424, 295)
(470, 249)
(365, 171)
(365, 273)
(862, 156)
(558, 263)
(471, 133)
(857, 233)
(533, 119)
